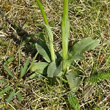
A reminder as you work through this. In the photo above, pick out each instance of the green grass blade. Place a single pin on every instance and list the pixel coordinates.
(73, 101)
(33, 61)
(19, 96)
(5, 90)
(23, 70)
(11, 96)
(9, 72)
(10, 59)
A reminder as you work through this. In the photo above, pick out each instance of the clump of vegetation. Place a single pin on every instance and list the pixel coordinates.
(14, 82)
(59, 66)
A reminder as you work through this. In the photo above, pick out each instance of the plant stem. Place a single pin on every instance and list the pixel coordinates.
(46, 22)
(42, 11)
(52, 51)
(65, 33)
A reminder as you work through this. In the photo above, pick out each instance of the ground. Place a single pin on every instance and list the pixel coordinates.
(22, 19)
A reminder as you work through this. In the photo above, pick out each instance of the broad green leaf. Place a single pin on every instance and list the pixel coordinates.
(23, 70)
(11, 96)
(58, 71)
(9, 72)
(54, 70)
(19, 96)
(51, 69)
(81, 46)
(5, 90)
(43, 49)
(73, 101)
(73, 80)
(39, 67)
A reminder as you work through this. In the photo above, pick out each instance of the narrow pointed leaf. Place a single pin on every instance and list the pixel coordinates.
(19, 96)
(9, 72)
(33, 61)
(5, 90)
(11, 96)
(23, 70)
(10, 59)
(73, 101)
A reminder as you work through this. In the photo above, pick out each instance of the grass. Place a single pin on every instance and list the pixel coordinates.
(87, 19)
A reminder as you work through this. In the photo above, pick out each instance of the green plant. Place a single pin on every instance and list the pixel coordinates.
(58, 64)
(14, 83)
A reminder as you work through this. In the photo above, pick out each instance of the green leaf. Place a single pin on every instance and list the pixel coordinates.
(98, 77)
(9, 72)
(38, 67)
(11, 96)
(51, 46)
(54, 70)
(1, 81)
(33, 75)
(23, 70)
(10, 59)
(5, 90)
(4, 43)
(19, 96)
(74, 80)
(43, 49)
(51, 69)
(58, 71)
(81, 46)
(33, 60)
(73, 101)
(49, 32)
